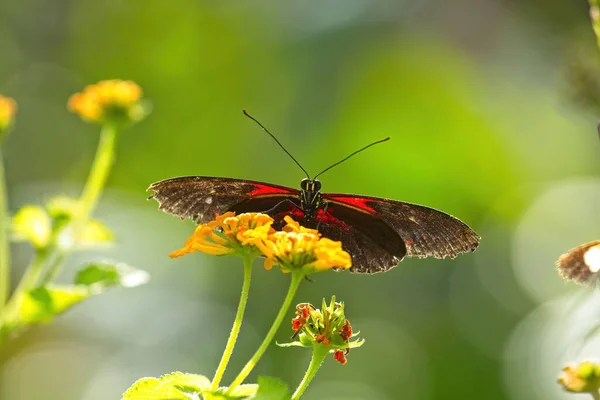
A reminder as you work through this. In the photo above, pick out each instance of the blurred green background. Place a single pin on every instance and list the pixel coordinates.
(490, 121)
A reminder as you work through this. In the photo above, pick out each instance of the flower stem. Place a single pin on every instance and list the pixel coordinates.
(297, 277)
(4, 243)
(105, 156)
(595, 17)
(318, 356)
(27, 282)
(595, 395)
(237, 324)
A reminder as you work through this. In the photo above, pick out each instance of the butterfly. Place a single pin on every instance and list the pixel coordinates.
(377, 233)
(581, 264)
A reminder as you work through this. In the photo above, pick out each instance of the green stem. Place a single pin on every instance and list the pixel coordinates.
(105, 156)
(595, 395)
(28, 282)
(237, 324)
(54, 268)
(297, 277)
(595, 17)
(318, 356)
(4, 243)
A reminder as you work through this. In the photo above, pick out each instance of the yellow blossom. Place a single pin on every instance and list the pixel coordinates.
(299, 247)
(111, 101)
(227, 234)
(293, 226)
(583, 378)
(8, 108)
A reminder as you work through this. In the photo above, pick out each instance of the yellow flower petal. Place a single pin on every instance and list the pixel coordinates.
(110, 101)
(8, 108)
(227, 234)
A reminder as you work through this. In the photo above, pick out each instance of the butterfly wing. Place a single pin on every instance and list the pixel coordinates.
(425, 231)
(373, 244)
(580, 264)
(202, 197)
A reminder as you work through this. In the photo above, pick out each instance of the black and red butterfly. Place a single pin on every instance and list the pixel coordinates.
(378, 233)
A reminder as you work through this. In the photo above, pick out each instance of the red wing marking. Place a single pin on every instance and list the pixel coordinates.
(261, 190)
(330, 219)
(354, 201)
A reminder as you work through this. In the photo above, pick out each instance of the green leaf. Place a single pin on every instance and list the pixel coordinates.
(92, 235)
(33, 224)
(244, 390)
(42, 304)
(63, 207)
(291, 344)
(99, 276)
(271, 389)
(169, 387)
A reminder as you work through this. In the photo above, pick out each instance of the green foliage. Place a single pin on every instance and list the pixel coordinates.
(32, 224)
(42, 304)
(99, 276)
(179, 385)
(176, 385)
(52, 225)
(271, 389)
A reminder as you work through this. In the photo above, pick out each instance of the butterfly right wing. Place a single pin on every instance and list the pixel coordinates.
(201, 198)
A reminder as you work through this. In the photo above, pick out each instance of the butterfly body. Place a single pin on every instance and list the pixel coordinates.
(378, 233)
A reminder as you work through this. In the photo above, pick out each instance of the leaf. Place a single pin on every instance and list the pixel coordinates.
(271, 389)
(244, 390)
(63, 207)
(42, 304)
(165, 387)
(291, 344)
(99, 276)
(93, 234)
(33, 224)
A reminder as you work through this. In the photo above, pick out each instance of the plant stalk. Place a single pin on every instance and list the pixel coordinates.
(297, 277)
(318, 356)
(4, 242)
(237, 324)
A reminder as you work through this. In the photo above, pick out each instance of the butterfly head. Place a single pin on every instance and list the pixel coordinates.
(310, 185)
(310, 199)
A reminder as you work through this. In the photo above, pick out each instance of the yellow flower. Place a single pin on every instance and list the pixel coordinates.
(583, 378)
(112, 101)
(299, 247)
(227, 234)
(293, 226)
(8, 108)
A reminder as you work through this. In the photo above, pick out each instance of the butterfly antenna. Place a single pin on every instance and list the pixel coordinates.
(278, 142)
(356, 152)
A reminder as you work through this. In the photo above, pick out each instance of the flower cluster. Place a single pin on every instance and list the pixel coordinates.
(8, 108)
(291, 248)
(583, 378)
(114, 102)
(228, 234)
(326, 327)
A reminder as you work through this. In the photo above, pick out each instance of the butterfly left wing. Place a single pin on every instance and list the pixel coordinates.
(202, 197)
(425, 231)
(581, 264)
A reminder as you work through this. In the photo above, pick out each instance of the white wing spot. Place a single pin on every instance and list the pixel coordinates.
(208, 200)
(592, 259)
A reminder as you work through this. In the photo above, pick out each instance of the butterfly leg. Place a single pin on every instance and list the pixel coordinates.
(325, 205)
(276, 206)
